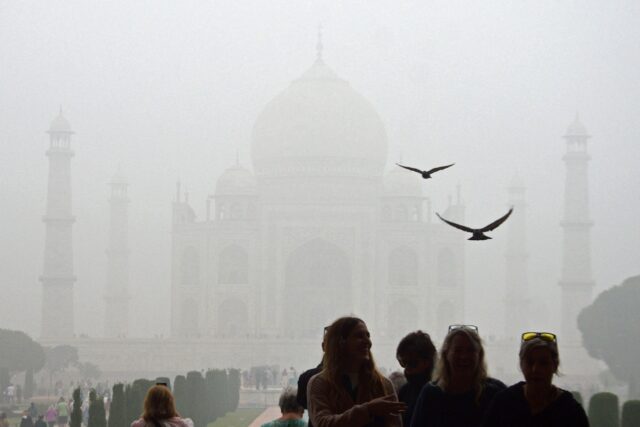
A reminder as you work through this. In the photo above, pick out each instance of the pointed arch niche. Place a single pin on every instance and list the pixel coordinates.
(317, 287)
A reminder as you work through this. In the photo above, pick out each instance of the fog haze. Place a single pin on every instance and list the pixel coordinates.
(169, 91)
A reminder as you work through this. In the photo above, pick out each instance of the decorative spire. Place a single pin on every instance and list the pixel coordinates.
(319, 46)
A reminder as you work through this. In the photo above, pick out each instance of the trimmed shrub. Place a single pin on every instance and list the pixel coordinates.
(233, 388)
(76, 412)
(631, 413)
(603, 410)
(578, 397)
(180, 394)
(117, 410)
(196, 399)
(97, 416)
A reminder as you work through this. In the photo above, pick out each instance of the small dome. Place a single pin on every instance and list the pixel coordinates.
(576, 128)
(401, 182)
(60, 124)
(119, 178)
(236, 181)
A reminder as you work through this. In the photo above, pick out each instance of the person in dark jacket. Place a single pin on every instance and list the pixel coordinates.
(536, 402)
(462, 391)
(26, 420)
(416, 354)
(40, 422)
(303, 379)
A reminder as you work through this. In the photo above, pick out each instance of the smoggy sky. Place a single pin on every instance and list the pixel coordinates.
(170, 90)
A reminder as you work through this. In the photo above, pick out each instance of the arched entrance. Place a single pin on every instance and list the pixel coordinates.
(317, 288)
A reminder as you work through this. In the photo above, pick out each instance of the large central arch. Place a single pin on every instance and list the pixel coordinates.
(317, 288)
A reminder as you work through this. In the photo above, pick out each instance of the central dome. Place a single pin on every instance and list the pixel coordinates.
(319, 125)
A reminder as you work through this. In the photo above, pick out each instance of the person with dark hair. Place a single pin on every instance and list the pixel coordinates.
(303, 379)
(26, 420)
(416, 354)
(160, 410)
(462, 390)
(3, 420)
(40, 422)
(291, 411)
(350, 391)
(536, 401)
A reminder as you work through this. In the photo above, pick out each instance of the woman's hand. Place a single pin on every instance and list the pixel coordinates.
(385, 405)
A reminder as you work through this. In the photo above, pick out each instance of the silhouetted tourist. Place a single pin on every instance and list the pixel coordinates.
(536, 401)
(462, 391)
(26, 420)
(160, 410)
(40, 422)
(33, 411)
(291, 411)
(416, 354)
(303, 380)
(350, 391)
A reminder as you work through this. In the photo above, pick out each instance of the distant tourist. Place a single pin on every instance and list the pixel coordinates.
(51, 416)
(40, 422)
(536, 401)
(416, 354)
(63, 412)
(26, 420)
(462, 390)
(33, 411)
(303, 380)
(350, 391)
(291, 411)
(3, 420)
(160, 410)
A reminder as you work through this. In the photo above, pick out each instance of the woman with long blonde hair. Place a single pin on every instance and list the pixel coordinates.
(462, 390)
(160, 410)
(350, 391)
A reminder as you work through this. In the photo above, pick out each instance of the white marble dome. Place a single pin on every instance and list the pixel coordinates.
(319, 125)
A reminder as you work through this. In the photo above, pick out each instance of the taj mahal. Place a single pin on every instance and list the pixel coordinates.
(316, 228)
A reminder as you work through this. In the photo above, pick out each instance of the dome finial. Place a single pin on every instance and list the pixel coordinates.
(319, 46)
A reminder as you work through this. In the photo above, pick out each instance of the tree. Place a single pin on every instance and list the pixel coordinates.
(180, 394)
(76, 412)
(88, 371)
(97, 416)
(117, 410)
(603, 410)
(58, 359)
(29, 384)
(610, 331)
(196, 399)
(18, 353)
(630, 414)
(233, 385)
(135, 399)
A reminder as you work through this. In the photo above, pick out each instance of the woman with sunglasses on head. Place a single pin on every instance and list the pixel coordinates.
(536, 401)
(349, 391)
(462, 390)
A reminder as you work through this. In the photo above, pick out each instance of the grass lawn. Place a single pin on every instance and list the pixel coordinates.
(240, 418)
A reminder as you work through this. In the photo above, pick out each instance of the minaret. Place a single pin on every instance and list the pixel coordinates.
(516, 269)
(116, 322)
(57, 275)
(576, 282)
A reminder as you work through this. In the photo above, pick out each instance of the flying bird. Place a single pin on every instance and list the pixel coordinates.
(478, 233)
(425, 174)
